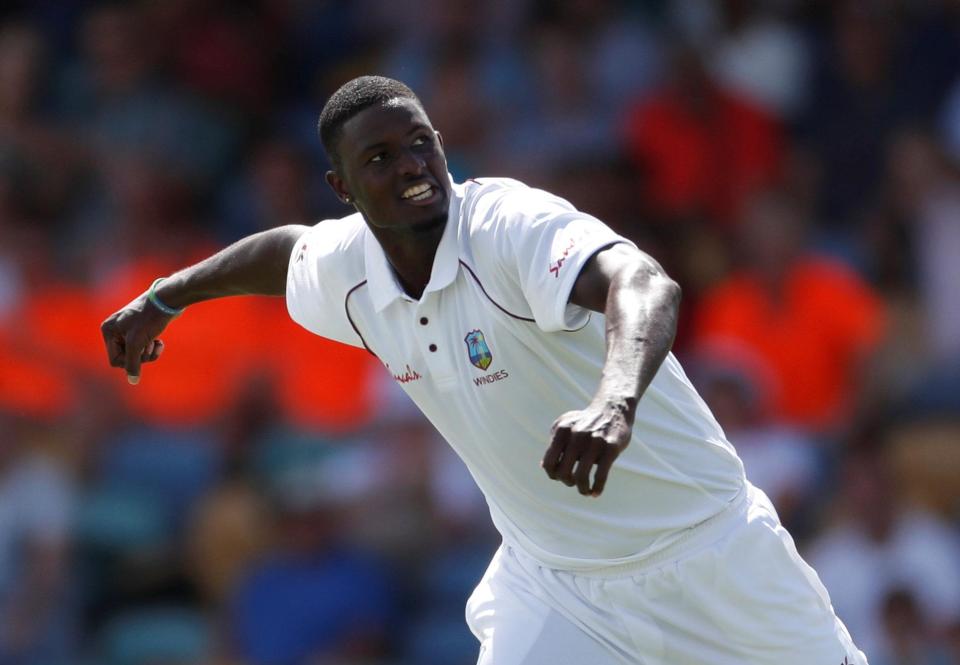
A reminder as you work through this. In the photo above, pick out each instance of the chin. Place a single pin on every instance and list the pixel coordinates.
(430, 224)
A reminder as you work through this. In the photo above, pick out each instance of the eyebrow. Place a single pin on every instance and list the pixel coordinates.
(373, 146)
(382, 144)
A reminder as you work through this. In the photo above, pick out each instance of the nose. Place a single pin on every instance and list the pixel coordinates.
(411, 163)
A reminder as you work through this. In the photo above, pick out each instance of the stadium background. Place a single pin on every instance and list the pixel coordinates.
(265, 497)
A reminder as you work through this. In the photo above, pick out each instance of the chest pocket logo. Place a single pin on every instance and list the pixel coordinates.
(477, 349)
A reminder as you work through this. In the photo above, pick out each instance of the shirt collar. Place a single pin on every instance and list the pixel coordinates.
(382, 282)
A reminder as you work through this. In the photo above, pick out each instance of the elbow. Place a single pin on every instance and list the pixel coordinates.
(655, 281)
(674, 294)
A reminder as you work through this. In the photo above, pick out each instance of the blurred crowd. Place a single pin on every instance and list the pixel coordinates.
(265, 497)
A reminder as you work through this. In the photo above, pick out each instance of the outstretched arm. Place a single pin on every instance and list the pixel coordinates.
(255, 265)
(640, 303)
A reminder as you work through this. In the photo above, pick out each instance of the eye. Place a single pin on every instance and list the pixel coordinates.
(422, 139)
(379, 157)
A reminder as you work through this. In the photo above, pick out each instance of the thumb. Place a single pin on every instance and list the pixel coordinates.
(134, 349)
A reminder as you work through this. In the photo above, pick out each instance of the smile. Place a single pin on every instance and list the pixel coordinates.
(419, 192)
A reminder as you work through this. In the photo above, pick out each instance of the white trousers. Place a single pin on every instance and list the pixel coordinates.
(733, 592)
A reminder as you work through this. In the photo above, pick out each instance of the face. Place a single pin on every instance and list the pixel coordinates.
(392, 168)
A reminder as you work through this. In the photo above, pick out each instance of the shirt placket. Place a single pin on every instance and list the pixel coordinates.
(433, 343)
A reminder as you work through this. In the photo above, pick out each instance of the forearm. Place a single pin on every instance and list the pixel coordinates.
(255, 265)
(640, 304)
(641, 313)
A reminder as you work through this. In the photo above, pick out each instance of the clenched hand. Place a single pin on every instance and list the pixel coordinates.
(130, 336)
(582, 440)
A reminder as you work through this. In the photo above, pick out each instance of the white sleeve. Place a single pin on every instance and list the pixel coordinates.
(322, 264)
(551, 241)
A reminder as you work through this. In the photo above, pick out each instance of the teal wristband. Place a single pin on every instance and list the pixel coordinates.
(155, 300)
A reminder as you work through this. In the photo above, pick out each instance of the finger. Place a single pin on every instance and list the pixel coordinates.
(604, 464)
(132, 360)
(116, 352)
(570, 455)
(113, 343)
(157, 350)
(152, 351)
(555, 450)
(585, 466)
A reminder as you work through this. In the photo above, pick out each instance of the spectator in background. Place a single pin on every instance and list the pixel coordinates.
(907, 633)
(583, 63)
(811, 320)
(221, 50)
(312, 598)
(277, 186)
(876, 74)
(229, 530)
(703, 149)
(40, 159)
(949, 121)
(564, 122)
(36, 510)
(450, 89)
(761, 57)
(926, 188)
(115, 95)
(877, 546)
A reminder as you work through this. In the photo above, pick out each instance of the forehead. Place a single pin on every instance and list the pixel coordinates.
(381, 124)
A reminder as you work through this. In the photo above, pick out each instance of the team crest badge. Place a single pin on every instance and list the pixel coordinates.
(478, 350)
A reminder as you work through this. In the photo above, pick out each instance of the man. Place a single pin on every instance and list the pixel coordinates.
(484, 301)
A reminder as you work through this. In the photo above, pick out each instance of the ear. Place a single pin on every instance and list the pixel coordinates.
(339, 187)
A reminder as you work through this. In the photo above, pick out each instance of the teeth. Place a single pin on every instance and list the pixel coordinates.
(417, 193)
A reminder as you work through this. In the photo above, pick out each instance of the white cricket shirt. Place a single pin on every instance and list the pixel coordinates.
(492, 353)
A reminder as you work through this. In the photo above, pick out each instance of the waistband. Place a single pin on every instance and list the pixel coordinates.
(691, 540)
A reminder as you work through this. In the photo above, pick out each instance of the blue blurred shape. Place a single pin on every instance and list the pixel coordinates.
(121, 519)
(175, 467)
(440, 638)
(157, 635)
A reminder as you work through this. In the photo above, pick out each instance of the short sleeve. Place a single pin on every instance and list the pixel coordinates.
(550, 242)
(325, 265)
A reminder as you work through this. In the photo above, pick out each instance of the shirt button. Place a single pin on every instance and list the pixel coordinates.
(432, 347)
(424, 321)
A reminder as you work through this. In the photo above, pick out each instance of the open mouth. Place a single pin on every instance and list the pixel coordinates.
(419, 193)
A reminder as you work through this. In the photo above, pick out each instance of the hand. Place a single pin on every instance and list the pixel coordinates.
(130, 336)
(581, 439)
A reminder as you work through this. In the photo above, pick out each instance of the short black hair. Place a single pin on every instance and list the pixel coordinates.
(352, 97)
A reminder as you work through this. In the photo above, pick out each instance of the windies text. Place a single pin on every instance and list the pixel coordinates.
(499, 375)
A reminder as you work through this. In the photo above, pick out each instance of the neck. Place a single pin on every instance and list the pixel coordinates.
(411, 253)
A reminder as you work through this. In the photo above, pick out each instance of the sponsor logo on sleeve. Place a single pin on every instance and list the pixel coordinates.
(409, 374)
(558, 264)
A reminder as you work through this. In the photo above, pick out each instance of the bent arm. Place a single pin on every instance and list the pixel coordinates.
(641, 305)
(256, 265)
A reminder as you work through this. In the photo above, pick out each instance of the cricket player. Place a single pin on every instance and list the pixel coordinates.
(537, 341)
